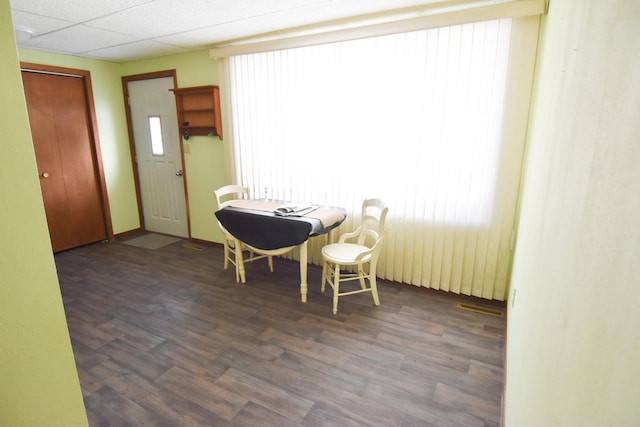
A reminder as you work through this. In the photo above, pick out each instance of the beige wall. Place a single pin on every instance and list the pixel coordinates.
(573, 345)
(38, 380)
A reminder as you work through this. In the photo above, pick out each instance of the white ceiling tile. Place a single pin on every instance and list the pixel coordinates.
(74, 10)
(332, 10)
(245, 9)
(38, 23)
(78, 39)
(175, 17)
(158, 27)
(136, 50)
(208, 37)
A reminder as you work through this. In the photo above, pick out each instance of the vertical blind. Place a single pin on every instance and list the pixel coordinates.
(415, 119)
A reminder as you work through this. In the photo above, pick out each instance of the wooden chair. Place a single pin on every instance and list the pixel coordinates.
(359, 249)
(224, 197)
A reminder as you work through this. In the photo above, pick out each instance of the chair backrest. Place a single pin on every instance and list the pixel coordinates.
(374, 215)
(229, 193)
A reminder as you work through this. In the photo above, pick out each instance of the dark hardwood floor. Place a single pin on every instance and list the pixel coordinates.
(167, 338)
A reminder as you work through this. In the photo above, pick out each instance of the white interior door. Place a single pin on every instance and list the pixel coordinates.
(158, 155)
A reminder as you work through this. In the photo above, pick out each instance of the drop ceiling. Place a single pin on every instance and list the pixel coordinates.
(125, 30)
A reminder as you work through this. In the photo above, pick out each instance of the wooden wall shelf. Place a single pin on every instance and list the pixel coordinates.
(198, 111)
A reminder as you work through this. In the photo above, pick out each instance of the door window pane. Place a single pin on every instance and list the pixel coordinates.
(155, 129)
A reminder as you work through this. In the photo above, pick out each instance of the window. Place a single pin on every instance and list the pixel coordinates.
(416, 113)
(416, 119)
(155, 129)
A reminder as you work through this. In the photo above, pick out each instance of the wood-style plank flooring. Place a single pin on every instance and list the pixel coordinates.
(168, 338)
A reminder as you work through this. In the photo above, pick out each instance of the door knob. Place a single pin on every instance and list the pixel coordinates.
(45, 175)
(179, 173)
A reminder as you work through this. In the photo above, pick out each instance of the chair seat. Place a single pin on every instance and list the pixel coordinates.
(345, 253)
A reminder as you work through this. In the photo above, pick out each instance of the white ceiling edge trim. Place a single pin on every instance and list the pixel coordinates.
(436, 15)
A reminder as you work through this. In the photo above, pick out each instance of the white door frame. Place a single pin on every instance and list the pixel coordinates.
(125, 82)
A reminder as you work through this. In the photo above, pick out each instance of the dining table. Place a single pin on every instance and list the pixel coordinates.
(260, 227)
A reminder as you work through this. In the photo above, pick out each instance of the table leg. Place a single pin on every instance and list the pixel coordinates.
(240, 261)
(303, 271)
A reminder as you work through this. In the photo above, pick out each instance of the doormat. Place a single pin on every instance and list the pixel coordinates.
(152, 241)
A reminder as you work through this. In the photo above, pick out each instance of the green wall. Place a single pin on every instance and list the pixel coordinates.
(573, 342)
(573, 323)
(205, 165)
(112, 130)
(38, 379)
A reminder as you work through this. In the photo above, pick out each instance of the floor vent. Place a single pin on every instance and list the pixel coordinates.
(480, 309)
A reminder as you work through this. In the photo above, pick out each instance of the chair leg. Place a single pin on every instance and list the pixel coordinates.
(361, 276)
(240, 274)
(325, 267)
(239, 262)
(336, 288)
(237, 270)
(226, 254)
(270, 258)
(374, 287)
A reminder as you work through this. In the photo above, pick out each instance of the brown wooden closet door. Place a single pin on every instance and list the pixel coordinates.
(57, 108)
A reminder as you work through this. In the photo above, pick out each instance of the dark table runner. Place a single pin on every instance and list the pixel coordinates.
(266, 230)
